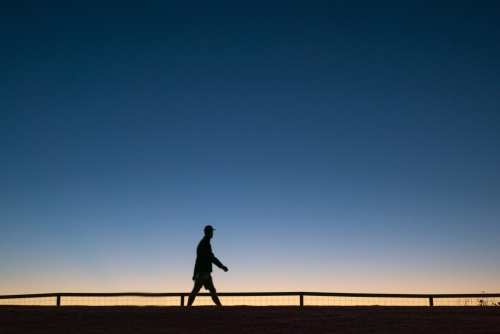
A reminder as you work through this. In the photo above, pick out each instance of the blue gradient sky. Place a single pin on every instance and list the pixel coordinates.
(347, 146)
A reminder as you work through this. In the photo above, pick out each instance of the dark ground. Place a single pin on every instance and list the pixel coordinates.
(347, 319)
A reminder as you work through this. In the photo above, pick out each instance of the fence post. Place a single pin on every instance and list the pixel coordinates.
(431, 301)
(301, 299)
(182, 300)
(58, 300)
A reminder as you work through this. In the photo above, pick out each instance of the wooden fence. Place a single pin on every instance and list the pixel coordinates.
(481, 299)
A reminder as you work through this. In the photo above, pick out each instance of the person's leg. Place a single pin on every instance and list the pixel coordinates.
(215, 298)
(209, 285)
(198, 283)
(193, 294)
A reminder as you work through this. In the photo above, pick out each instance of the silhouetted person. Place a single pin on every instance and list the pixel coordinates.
(203, 268)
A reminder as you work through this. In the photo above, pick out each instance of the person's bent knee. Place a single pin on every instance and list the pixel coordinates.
(212, 290)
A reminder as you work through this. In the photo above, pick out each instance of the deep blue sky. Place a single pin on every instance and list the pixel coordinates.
(347, 146)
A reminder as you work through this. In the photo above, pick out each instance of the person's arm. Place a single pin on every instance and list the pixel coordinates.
(195, 271)
(195, 274)
(214, 259)
(218, 263)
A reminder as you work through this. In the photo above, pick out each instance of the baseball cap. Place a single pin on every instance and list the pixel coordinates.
(209, 228)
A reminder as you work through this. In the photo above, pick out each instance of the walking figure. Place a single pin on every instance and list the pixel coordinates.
(203, 268)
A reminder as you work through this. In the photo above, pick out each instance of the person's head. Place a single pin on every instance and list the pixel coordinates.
(209, 231)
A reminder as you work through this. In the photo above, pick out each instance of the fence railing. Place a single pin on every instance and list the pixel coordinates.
(252, 299)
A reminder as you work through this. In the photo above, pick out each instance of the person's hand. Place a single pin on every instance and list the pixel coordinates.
(195, 276)
(225, 268)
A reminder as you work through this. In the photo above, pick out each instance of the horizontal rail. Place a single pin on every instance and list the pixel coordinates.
(247, 294)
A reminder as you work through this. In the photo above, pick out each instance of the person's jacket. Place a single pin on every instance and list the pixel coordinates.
(205, 257)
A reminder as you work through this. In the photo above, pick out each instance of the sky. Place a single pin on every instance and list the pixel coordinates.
(335, 146)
